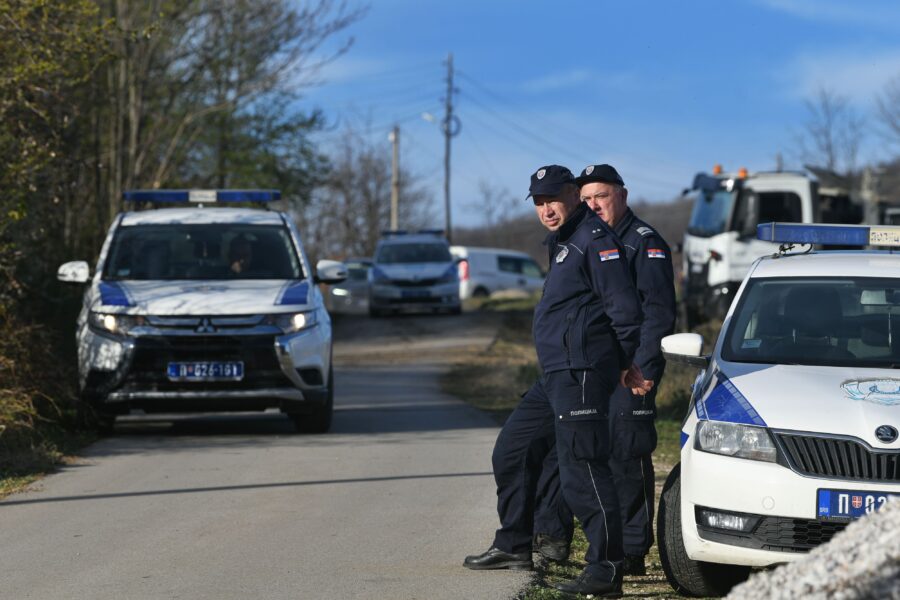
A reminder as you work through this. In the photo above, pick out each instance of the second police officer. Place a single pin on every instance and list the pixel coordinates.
(631, 415)
(586, 331)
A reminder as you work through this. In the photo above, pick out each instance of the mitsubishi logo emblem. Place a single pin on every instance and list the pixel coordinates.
(205, 326)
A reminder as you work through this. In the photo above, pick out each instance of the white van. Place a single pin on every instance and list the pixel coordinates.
(484, 271)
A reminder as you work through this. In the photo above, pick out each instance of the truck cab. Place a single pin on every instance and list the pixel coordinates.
(720, 242)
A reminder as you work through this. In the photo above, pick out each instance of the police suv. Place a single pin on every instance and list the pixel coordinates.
(792, 429)
(198, 307)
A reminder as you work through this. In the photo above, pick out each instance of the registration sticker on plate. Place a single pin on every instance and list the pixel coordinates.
(205, 371)
(844, 505)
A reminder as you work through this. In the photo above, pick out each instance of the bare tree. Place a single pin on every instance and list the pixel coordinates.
(888, 102)
(348, 212)
(832, 133)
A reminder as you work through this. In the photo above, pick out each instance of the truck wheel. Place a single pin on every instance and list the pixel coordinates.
(686, 576)
(319, 420)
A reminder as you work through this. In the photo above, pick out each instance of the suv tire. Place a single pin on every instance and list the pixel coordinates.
(319, 420)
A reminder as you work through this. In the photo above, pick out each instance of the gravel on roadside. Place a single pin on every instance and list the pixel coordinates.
(863, 561)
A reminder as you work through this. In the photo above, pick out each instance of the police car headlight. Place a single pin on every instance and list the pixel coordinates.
(451, 275)
(735, 439)
(293, 322)
(114, 324)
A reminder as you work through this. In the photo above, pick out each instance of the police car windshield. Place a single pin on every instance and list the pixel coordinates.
(844, 322)
(413, 252)
(215, 251)
(711, 213)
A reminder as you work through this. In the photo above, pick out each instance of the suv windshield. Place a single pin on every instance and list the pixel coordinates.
(712, 210)
(218, 251)
(414, 252)
(846, 322)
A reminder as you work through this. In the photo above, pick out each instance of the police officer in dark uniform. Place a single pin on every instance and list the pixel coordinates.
(631, 415)
(586, 330)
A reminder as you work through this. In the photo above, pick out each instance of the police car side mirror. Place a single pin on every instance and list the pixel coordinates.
(76, 271)
(330, 271)
(685, 348)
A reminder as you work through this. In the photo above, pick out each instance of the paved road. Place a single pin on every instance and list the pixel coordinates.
(385, 506)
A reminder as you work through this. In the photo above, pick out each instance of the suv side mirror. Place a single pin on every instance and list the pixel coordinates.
(330, 271)
(76, 271)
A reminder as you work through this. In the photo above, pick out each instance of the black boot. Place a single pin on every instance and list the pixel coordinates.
(498, 559)
(634, 565)
(551, 548)
(587, 585)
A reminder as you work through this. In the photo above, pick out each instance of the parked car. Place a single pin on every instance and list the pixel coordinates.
(413, 271)
(792, 427)
(352, 295)
(484, 271)
(202, 308)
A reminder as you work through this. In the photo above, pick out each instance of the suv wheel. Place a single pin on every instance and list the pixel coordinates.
(319, 420)
(686, 576)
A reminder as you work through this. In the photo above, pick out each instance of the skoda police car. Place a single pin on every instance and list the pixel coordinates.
(198, 307)
(792, 430)
(413, 270)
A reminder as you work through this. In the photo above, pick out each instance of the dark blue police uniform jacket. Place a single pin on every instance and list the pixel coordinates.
(650, 261)
(588, 316)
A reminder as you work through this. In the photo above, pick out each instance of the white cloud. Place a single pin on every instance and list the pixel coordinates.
(878, 13)
(556, 81)
(860, 77)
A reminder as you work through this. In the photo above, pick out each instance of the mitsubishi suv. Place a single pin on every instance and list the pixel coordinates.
(203, 308)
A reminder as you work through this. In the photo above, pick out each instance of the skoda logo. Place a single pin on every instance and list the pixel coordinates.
(886, 433)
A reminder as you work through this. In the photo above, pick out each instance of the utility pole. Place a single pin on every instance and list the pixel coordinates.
(451, 127)
(394, 137)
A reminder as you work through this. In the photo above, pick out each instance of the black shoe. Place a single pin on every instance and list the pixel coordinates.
(589, 586)
(634, 565)
(551, 548)
(498, 559)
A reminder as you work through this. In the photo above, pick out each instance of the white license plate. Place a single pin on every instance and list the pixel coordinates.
(205, 371)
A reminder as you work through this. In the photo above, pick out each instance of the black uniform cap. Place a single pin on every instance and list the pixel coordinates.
(549, 181)
(599, 173)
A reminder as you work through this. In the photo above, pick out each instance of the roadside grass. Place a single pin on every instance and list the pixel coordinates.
(493, 380)
(38, 424)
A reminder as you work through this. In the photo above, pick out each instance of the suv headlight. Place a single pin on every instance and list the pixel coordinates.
(113, 323)
(292, 322)
(735, 439)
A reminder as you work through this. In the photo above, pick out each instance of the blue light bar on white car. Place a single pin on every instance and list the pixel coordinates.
(200, 196)
(829, 235)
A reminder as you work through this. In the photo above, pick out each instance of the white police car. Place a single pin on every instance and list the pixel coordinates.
(413, 271)
(792, 430)
(203, 308)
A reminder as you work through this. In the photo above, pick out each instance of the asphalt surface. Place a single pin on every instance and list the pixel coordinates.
(237, 506)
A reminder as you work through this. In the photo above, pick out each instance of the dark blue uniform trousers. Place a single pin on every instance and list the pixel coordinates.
(581, 442)
(633, 437)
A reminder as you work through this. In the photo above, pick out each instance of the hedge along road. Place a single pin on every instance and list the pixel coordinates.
(235, 506)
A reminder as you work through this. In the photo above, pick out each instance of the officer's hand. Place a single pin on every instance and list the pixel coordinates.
(633, 378)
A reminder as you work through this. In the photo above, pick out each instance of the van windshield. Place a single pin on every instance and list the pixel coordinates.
(215, 251)
(841, 322)
(711, 213)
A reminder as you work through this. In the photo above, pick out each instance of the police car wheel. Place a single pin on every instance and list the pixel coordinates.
(319, 420)
(686, 576)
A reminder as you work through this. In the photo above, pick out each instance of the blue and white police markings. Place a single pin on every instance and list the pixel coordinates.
(879, 391)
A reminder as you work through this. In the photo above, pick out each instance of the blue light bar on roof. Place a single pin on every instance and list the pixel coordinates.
(200, 196)
(829, 235)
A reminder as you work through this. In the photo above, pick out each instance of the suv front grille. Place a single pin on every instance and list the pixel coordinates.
(152, 354)
(839, 458)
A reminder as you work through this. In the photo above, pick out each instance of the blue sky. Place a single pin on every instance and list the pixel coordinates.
(660, 90)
